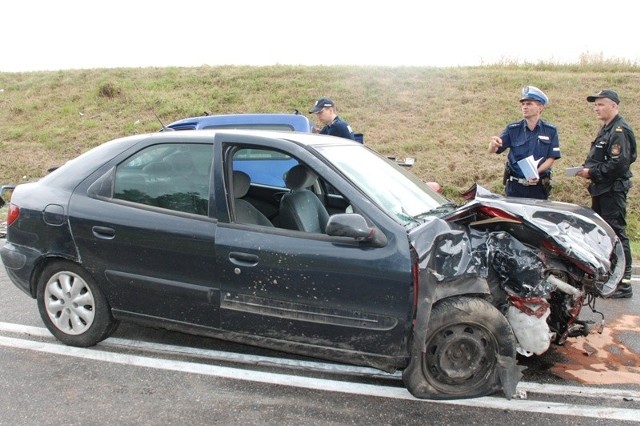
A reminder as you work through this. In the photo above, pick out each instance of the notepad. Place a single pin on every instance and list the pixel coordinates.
(529, 167)
(572, 171)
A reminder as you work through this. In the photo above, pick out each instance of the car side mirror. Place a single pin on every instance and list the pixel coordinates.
(355, 226)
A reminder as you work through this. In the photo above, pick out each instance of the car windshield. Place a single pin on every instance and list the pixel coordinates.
(396, 191)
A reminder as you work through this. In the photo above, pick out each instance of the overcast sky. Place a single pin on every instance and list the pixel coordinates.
(63, 34)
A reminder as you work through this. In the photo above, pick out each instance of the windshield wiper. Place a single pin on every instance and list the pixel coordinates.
(444, 208)
(406, 216)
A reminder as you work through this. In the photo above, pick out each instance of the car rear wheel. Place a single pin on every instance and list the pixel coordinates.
(72, 306)
(467, 343)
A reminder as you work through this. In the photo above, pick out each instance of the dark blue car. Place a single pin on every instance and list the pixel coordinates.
(348, 257)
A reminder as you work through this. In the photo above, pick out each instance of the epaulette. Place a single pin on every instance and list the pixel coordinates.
(544, 123)
(619, 129)
(516, 124)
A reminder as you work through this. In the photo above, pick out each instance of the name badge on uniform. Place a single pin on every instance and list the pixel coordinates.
(544, 138)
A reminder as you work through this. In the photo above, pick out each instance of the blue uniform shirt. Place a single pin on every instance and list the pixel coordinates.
(541, 142)
(338, 127)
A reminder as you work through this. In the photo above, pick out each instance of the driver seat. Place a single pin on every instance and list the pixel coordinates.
(301, 209)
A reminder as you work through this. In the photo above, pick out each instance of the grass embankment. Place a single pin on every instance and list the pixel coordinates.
(443, 117)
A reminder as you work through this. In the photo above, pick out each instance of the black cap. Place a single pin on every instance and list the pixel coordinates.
(605, 93)
(321, 103)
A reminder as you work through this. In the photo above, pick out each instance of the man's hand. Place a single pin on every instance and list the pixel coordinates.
(495, 143)
(584, 173)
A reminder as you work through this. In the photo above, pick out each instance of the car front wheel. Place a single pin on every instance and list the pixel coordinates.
(468, 342)
(72, 306)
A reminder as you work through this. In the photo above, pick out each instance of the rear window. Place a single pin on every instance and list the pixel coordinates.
(278, 127)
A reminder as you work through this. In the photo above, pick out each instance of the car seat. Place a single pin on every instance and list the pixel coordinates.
(301, 209)
(245, 211)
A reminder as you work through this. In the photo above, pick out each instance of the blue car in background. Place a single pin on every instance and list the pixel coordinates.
(281, 122)
(261, 172)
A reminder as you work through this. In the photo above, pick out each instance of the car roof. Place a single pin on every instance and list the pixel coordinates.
(80, 166)
(301, 138)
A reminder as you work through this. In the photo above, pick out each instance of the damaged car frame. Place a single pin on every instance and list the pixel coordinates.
(346, 256)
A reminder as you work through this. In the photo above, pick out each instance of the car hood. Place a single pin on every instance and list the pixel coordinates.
(579, 231)
(576, 233)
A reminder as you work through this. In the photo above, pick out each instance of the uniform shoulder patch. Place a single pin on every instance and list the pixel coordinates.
(619, 129)
(615, 149)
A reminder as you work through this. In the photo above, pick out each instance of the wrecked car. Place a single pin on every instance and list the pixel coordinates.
(346, 256)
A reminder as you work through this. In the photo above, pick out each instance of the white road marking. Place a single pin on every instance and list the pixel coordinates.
(211, 354)
(551, 408)
(317, 366)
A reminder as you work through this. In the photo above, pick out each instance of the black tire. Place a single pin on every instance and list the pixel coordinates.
(72, 306)
(468, 342)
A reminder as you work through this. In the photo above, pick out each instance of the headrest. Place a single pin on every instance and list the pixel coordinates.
(299, 177)
(241, 184)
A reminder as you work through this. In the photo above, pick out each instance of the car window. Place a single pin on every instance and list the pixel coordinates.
(264, 167)
(171, 176)
(261, 197)
(266, 126)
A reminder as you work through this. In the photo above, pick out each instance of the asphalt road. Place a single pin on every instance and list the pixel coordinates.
(146, 376)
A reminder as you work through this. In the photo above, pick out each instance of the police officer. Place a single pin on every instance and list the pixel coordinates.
(528, 137)
(325, 109)
(607, 169)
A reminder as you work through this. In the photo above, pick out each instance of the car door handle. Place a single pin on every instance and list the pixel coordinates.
(103, 232)
(243, 259)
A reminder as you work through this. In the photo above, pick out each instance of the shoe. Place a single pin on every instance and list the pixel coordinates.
(623, 291)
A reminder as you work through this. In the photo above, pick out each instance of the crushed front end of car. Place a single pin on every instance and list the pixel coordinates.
(536, 262)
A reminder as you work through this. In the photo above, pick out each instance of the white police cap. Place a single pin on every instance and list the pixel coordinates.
(535, 94)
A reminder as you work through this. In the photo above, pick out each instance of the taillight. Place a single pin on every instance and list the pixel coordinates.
(12, 215)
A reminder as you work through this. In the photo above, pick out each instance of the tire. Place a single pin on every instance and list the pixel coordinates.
(72, 306)
(468, 342)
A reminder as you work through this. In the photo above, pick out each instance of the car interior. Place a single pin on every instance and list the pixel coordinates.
(245, 212)
(301, 209)
(269, 188)
(286, 191)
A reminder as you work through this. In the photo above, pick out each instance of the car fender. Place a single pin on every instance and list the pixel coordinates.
(447, 268)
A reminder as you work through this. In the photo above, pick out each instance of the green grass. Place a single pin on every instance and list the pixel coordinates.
(443, 117)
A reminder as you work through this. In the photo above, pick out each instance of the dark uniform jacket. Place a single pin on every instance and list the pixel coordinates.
(611, 154)
(338, 127)
(541, 142)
